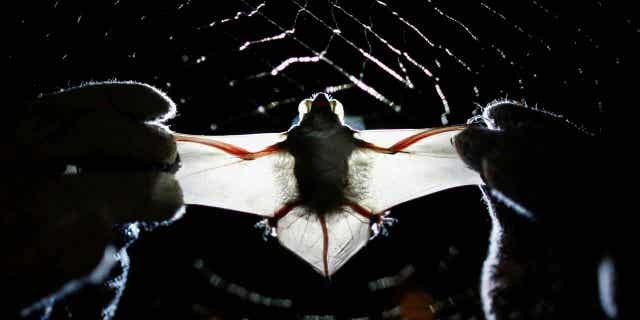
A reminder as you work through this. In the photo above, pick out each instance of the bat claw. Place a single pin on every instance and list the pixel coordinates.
(381, 225)
(268, 230)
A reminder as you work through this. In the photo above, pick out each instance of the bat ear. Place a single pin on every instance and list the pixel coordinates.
(304, 107)
(338, 109)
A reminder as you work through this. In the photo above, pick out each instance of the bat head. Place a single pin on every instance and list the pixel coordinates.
(321, 102)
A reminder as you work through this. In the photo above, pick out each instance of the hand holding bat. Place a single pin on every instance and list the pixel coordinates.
(84, 163)
(549, 185)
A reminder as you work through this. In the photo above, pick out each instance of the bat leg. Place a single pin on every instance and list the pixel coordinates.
(229, 148)
(380, 222)
(408, 141)
(269, 225)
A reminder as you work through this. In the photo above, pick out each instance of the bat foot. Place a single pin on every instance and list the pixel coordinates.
(267, 228)
(380, 225)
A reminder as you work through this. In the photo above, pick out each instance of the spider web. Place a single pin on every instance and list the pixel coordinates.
(398, 64)
(435, 61)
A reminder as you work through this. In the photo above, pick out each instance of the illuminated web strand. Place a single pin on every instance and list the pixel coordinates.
(443, 99)
(184, 4)
(406, 23)
(357, 82)
(366, 38)
(441, 95)
(390, 71)
(371, 91)
(338, 88)
(283, 65)
(279, 36)
(360, 50)
(280, 102)
(545, 10)
(397, 51)
(516, 26)
(297, 84)
(363, 52)
(238, 15)
(454, 20)
(415, 63)
(282, 35)
(293, 60)
(496, 49)
(365, 34)
(423, 36)
(445, 104)
(267, 39)
(404, 70)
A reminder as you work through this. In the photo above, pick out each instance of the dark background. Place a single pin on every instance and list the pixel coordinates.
(572, 58)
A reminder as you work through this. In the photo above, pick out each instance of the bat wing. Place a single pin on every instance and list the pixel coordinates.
(398, 165)
(237, 172)
(325, 242)
(249, 173)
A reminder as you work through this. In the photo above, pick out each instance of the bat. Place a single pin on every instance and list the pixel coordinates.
(321, 186)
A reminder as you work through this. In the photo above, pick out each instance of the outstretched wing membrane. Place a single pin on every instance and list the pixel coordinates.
(251, 173)
(397, 165)
(245, 173)
(327, 241)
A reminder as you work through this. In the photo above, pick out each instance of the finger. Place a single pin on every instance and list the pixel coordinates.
(473, 144)
(139, 101)
(521, 167)
(159, 198)
(96, 136)
(117, 198)
(508, 115)
(530, 149)
(105, 199)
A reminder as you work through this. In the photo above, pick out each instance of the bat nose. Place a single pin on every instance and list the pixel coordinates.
(320, 101)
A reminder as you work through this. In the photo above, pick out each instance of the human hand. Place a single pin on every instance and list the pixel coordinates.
(548, 186)
(83, 164)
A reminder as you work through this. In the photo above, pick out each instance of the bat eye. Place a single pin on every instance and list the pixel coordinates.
(337, 108)
(304, 107)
